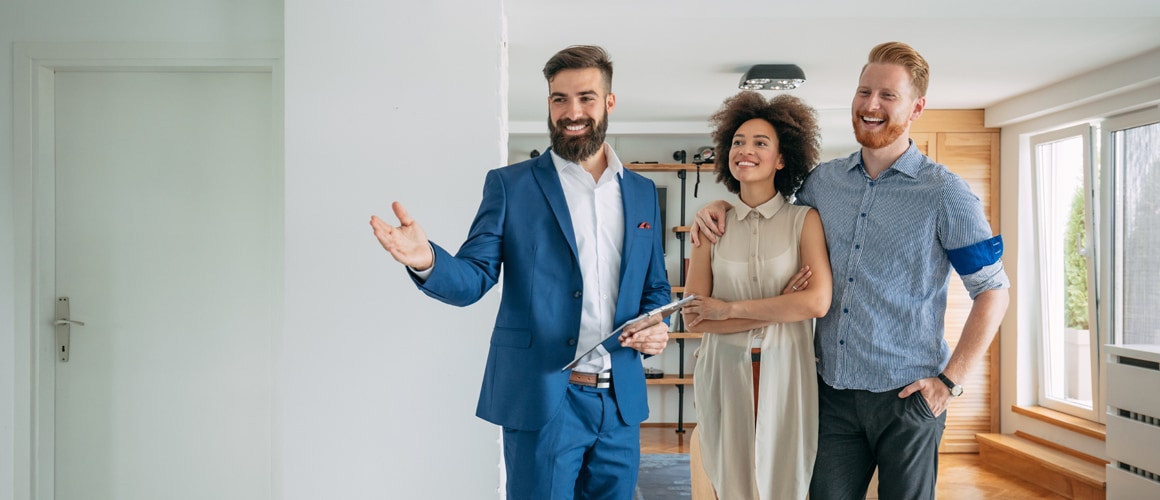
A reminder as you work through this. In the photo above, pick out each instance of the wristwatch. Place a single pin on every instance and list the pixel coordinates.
(956, 389)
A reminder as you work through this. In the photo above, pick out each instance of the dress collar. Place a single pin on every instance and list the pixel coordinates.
(766, 210)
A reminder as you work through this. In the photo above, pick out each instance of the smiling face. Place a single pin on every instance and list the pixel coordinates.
(754, 157)
(578, 107)
(884, 105)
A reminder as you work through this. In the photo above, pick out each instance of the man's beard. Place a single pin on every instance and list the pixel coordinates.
(580, 147)
(880, 138)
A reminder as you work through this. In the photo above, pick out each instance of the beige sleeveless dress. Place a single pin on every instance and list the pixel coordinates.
(772, 459)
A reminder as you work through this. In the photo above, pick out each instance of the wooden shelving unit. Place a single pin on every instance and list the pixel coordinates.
(685, 335)
(681, 379)
(664, 167)
(670, 380)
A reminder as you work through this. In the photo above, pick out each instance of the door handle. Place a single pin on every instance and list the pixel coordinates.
(68, 322)
(64, 328)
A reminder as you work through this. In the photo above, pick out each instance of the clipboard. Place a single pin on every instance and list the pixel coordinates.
(661, 311)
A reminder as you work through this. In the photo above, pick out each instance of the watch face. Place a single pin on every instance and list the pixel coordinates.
(956, 389)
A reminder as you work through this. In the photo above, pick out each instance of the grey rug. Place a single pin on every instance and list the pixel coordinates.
(663, 476)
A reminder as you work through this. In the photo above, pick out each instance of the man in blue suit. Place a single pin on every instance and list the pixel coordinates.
(578, 238)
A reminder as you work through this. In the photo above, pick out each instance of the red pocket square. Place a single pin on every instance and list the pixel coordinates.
(644, 225)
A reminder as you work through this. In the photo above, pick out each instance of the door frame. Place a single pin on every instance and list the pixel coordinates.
(34, 68)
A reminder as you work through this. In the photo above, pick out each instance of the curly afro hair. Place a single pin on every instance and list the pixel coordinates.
(798, 140)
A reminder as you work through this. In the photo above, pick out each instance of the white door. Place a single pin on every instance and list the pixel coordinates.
(168, 246)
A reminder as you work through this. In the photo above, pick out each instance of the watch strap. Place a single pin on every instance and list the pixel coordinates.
(949, 383)
(955, 389)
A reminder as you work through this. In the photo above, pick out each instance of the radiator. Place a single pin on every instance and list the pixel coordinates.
(1133, 430)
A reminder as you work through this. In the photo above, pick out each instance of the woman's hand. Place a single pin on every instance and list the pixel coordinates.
(798, 282)
(705, 308)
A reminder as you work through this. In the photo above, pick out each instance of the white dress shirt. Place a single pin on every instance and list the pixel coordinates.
(597, 212)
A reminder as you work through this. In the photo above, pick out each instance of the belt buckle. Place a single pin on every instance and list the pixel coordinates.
(596, 380)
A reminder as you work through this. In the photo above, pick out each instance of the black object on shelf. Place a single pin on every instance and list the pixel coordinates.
(680, 320)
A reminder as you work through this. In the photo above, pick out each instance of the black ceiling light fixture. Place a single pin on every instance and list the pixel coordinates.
(772, 77)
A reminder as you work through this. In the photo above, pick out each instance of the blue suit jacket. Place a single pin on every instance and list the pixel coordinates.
(523, 226)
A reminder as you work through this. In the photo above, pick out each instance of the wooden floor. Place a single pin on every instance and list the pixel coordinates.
(960, 476)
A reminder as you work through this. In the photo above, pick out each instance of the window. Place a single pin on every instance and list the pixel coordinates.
(1134, 155)
(1097, 234)
(1069, 336)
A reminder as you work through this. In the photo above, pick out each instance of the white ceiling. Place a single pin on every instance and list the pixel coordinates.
(677, 60)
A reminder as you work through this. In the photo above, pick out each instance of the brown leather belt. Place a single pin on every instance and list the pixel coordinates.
(597, 380)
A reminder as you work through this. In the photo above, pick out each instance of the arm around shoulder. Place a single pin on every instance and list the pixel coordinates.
(710, 221)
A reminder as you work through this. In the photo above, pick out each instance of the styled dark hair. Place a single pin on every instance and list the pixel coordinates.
(795, 124)
(903, 55)
(580, 57)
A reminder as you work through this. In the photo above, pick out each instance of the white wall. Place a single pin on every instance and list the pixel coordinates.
(7, 275)
(385, 101)
(83, 21)
(377, 383)
(1116, 89)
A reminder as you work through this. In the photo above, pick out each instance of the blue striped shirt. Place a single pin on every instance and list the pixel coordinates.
(892, 243)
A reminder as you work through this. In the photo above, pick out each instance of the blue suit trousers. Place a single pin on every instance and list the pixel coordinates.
(586, 451)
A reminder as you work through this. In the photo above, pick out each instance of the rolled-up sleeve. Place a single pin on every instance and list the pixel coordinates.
(965, 233)
(989, 277)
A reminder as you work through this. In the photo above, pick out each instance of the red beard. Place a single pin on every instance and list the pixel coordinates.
(880, 138)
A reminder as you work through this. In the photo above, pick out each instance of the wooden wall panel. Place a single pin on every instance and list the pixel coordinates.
(926, 142)
(951, 120)
(957, 139)
(969, 156)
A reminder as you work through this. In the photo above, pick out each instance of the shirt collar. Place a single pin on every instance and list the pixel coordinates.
(614, 165)
(909, 163)
(766, 210)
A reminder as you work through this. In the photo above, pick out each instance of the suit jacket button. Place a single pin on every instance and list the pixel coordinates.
(576, 294)
(571, 342)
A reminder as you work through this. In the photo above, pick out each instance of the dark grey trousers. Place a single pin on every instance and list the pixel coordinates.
(861, 430)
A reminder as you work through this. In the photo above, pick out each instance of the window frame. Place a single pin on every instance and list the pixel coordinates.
(1090, 134)
(1112, 287)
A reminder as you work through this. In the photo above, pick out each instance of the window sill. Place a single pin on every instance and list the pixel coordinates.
(1060, 419)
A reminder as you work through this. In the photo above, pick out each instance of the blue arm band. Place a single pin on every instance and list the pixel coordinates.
(969, 259)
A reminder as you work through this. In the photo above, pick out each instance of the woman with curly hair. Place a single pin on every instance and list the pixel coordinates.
(749, 297)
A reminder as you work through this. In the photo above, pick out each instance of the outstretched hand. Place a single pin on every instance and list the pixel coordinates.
(407, 243)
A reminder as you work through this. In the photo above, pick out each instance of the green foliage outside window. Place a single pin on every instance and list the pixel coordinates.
(1075, 267)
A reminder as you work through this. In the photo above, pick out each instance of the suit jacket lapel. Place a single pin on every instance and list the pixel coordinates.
(635, 212)
(545, 172)
(637, 251)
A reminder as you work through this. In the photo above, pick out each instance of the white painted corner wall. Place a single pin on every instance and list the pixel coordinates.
(1116, 89)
